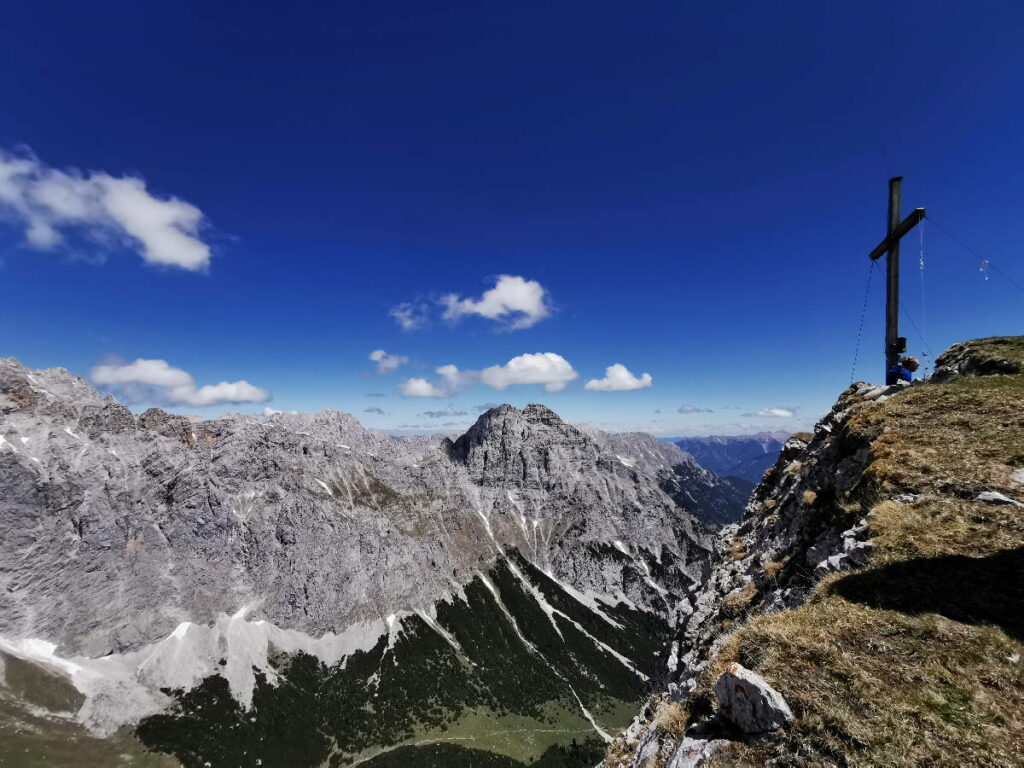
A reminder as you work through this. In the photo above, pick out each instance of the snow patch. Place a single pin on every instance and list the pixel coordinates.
(121, 689)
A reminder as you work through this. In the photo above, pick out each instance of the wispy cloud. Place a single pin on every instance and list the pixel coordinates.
(618, 378)
(694, 409)
(442, 414)
(174, 384)
(387, 363)
(773, 413)
(375, 409)
(411, 315)
(48, 202)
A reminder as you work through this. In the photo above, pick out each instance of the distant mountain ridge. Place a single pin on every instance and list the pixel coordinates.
(742, 456)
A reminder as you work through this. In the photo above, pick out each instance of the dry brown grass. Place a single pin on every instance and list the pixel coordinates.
(932, 527)
(952, 439)
(809, 497)
(874, 687)
(916, 659)
(737, 549)
(673, 718)
(773, 568)
(736, 603)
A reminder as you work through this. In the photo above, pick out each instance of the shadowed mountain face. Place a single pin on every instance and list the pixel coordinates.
(744, 456)
(715, 500)
(299, 591)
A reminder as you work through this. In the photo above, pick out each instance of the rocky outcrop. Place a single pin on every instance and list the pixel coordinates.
(803, 521)
(980, 357)
(893, 462)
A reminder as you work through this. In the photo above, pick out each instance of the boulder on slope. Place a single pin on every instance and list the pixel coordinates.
(749, 703)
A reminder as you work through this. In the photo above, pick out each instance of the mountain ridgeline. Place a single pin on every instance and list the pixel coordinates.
(295, 590)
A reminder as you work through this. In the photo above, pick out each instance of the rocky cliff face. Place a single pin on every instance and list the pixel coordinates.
(853, 582)
(298, 590)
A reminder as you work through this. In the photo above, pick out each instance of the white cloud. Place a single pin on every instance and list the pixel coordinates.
(452, 380)
(422, 388)
(547, 368)
(178, 385)
(387, 363)
(618, 378)
(46, 201)
(156, 373)
(224, 392)
(774, 413)
(410, 315)
(519, 302)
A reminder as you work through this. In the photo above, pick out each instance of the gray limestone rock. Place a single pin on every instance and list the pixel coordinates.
(749, 703)
(994, 497)
(692, 752)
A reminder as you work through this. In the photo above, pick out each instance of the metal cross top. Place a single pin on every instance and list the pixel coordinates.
(894, 343)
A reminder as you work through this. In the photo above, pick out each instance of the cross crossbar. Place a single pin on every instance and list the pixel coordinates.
(915, 217)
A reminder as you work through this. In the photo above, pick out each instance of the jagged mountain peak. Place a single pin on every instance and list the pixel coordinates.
(519, 438)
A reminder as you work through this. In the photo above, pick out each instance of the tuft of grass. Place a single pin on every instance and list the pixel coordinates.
(738, 549)
(809, 497)
(773, 568)
(736, 603)
(673, 718)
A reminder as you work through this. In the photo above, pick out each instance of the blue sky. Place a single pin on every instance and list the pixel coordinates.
(688, 190)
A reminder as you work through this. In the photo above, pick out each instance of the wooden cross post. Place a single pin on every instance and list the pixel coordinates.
(894, 343)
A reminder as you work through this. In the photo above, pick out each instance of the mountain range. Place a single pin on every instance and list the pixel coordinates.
(298, 590)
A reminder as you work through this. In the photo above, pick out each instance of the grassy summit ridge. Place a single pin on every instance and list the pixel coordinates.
(916, 658)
